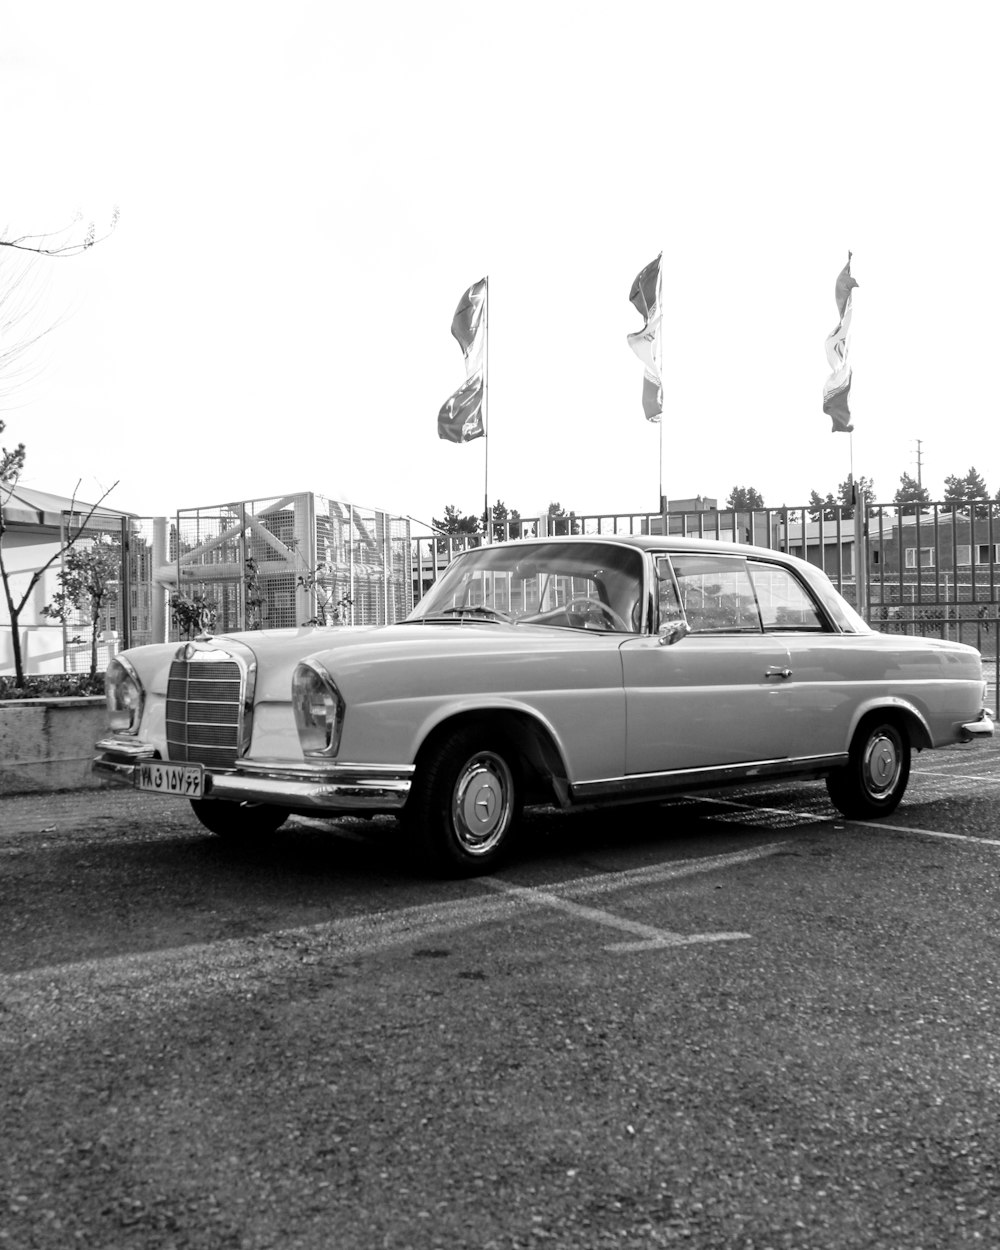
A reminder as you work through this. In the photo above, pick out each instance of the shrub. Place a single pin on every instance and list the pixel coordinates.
(52, 686)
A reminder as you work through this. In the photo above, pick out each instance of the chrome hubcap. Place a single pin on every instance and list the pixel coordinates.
(481, 806)
(881, 765)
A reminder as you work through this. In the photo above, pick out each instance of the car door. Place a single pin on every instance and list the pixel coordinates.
(718, 696)
(826, 668)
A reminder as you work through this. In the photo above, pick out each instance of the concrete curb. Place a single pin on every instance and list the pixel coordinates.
(48, 744)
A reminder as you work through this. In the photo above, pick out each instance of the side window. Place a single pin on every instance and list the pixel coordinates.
(784, 601)
(716, 593)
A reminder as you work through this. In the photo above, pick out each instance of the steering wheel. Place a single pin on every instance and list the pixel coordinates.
(585, 606)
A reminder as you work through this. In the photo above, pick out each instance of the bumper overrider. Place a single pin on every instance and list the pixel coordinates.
(981, 728)
(304, 786)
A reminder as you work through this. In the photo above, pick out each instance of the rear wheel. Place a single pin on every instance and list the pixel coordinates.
(465, 803)
(878, 768)
(239, 821)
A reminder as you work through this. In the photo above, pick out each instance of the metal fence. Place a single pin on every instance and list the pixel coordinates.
(292, 560)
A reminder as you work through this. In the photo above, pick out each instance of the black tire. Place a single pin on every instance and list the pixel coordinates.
(239, 822)
(875, 776)
(465, 803)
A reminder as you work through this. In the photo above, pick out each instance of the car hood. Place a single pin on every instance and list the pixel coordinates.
(349, 652)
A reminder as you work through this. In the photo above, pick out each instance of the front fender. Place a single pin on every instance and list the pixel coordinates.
(585, 728)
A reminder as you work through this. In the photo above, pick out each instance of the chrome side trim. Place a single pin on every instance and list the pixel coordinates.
(647, 785)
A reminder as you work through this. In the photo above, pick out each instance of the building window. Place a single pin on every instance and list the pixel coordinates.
(876, 556)
(963, 555)
(926, 557)
(983, 554)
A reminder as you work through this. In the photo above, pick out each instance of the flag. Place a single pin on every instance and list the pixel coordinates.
(645, 295)
(838, 385)
(461, 417)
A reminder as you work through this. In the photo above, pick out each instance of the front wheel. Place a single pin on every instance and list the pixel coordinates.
(239, 821)
(875, 776)
(465, 803)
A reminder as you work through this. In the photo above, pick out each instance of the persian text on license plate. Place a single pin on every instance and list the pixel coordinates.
(184, 779)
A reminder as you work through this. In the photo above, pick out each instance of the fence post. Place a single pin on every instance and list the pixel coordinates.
(861, 555)
(125, 587)
(157, 591)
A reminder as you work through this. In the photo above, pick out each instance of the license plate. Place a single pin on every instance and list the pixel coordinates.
(184, 779)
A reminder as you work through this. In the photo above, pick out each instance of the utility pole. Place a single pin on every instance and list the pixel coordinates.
(920, 463)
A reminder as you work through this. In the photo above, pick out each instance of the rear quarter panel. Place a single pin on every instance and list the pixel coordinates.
(836, 679)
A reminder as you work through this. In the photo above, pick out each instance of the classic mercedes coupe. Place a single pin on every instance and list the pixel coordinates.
(567, 671)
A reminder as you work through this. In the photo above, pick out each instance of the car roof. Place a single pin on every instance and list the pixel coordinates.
(654, 542)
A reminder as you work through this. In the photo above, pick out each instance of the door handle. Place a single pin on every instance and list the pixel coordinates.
(775, 671)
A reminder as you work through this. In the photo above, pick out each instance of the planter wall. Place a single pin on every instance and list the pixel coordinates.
(48, 744)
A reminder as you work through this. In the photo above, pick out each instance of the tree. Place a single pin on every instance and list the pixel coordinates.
(19, 291)
(11, 464)
(320, 581)
(505, 521)
(845, 494)
(744, 499)
(15, 310)
(966, 489)
(910, 496)
(88, 578)
(842, 504)
(454, 523)
(62, 242)
(561, 521)
(820, 507)
(192, 615)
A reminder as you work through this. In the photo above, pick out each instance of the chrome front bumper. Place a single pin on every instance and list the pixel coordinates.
(302, 786)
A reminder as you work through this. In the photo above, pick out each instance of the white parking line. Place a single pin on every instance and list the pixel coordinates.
(773, 811)
(651, 937)
(927, 833)
(868, 824)
(210, 965)
(954, 776)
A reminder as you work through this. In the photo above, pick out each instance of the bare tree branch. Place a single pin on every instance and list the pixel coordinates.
(48, 245)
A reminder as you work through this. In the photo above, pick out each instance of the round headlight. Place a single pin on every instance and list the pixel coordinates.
(318, 708)
(124, 696)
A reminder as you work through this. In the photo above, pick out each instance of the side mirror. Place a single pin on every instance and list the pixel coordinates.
(673, 631)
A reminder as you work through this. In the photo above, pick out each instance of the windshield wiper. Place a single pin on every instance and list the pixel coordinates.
(476, 609)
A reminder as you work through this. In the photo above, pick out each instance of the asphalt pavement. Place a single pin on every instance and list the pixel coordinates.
(730, 1020)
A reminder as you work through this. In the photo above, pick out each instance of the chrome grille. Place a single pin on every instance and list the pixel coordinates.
(204, 707)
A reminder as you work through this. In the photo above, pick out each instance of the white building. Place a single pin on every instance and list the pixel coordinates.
(35, 525)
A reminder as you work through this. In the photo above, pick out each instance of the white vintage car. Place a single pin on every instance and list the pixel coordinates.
(569, 671)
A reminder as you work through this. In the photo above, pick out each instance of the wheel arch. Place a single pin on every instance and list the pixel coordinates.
(900, 713)
(541, 761)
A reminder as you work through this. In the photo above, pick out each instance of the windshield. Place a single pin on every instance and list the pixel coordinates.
(570, 585)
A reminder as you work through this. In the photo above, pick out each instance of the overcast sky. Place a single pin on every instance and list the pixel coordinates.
(306, 189)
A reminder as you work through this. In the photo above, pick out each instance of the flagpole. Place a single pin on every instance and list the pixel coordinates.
(664, 506)
(663, 498)
(487, 519)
